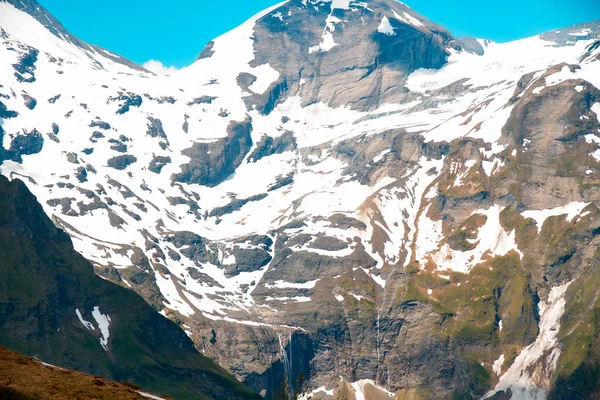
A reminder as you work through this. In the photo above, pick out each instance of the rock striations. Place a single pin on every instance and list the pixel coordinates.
(335, 188)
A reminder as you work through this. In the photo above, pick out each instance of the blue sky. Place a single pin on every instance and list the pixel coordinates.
(174, 32)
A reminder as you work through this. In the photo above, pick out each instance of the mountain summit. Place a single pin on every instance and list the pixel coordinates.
(334, 188)
(346, 52)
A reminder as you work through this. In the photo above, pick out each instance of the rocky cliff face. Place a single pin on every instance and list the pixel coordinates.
(346, 53)
(336, 188)
(54, 307)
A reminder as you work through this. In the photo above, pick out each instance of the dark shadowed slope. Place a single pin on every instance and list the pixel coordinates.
(54, 307)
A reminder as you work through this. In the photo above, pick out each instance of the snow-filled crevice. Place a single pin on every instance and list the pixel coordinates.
(530, 375)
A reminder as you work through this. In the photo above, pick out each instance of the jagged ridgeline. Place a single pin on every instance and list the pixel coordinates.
(339, 190)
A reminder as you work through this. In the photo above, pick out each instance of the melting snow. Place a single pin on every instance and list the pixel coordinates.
(103, 322)
(327, 42)
(583, 32)
(497, 367)
(429, 236)
(310, 395)
(571, 210)
(596, 109)
(459, 181)
(409, 19)
(319, 189)
(289, 285)
(491, 167)
(150, 396)
(85, 323)
(359, 389)
(529, 377)
(559, 77)
(380, 156)
(385, 27)
(492, 240)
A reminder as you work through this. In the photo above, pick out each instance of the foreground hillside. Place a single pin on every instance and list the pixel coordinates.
(25, 378)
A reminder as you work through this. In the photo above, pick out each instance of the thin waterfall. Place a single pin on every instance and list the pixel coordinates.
(287, 363)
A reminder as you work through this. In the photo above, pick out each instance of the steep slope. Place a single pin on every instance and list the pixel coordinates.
(338, 188)
(345, 53)
(54, 307)
(25, 378)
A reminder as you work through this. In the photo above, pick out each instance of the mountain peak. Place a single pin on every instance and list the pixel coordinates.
(23, 30)
(340, 181)
(366, 50)
(41, 15)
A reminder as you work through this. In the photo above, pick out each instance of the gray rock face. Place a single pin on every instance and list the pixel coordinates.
(359, 217)
(100, 124)
(27, 144)
(155, 128)
(25, 68)
(213, 162)
(121, 162)
(158, 162)
(202, 100)
(248, 260)
(361, 71)
(269, 146)
(573, 34)
(126, 101)
(235, 205)
(469, 44)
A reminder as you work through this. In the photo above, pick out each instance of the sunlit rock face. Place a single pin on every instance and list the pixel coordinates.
(334, 188)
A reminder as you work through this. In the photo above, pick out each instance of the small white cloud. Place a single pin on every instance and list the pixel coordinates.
(158, 68)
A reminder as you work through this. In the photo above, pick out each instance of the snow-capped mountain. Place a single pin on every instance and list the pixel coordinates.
(339, 188)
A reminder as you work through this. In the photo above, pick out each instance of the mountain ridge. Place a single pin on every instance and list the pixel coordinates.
(307, 209)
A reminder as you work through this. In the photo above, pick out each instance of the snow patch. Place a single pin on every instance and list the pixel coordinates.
(408, 19)
(150, 396)
(492, 241)
(460, 176)
(385, 27)
(359, 389)
(583, 32)
(497, 367)
(529, 377)
(491, 167)
(88, 325)
(596, 109)
(571, 210)
(103, 322)
(380, 156)
(290, 285)
(327, 42)
(310, 395)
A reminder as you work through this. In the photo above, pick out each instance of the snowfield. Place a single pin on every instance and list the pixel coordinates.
(115, 155)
